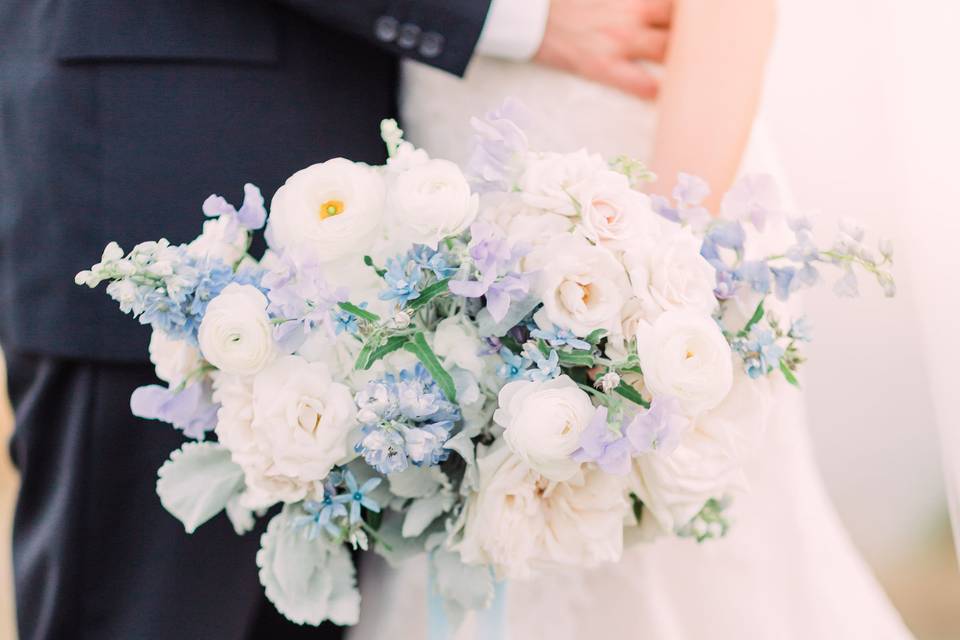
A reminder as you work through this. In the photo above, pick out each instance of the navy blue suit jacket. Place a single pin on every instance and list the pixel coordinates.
(117, 119)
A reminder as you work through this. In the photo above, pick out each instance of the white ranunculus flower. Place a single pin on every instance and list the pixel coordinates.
(614, 215)
(669, 273)
(174, 360)
(709, 461)
(583, 286)
(222, 238)
(235, 334)
(334, 208)
(684, 355)
(302, 419)
(522, 523)
(550, 178)
(543, 422)
(431, 201)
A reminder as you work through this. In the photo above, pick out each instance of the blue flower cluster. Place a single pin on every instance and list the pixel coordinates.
(406, 275)
(406, 420)
(164, 286)
(531, 364)
(759, 350)
(338, 508)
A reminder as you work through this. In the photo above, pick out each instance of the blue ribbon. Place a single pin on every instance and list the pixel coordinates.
(491, 622)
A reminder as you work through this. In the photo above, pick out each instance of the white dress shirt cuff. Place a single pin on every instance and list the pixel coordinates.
(514, 29)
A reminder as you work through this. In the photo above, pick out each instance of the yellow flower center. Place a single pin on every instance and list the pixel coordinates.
(331, 208)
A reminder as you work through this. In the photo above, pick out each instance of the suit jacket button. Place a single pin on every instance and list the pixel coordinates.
(408, 36)
(386, 29)
(431, 45)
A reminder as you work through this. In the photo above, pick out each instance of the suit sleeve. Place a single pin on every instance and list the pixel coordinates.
(441, 33)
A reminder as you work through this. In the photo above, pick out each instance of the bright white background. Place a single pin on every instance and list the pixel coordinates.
(863, 102)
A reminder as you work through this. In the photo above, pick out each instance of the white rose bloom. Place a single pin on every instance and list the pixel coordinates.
(614, 215)
(550, 178)
(222, 238)
(522, 523)
(302, 419)
(709, 461)
(543, 422)
(174, 360)
(522, 223)
(583, 286)
(685, 356)
(334, 208)
(264, 486)
(235, 334)
(669, 273)
(431, 201)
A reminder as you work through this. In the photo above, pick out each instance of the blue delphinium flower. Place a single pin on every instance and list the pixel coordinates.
(403, 277)
(251, 215)
(356, 496)
(728, 234)
(406, 419)
(384, 449)
(557, 338)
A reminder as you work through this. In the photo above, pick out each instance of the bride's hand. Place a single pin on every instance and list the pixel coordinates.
(604, 40)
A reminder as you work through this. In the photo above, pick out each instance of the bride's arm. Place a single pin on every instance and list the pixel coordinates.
(711, 87)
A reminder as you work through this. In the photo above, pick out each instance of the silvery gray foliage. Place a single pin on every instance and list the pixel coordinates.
(308, 580)
(197, 482)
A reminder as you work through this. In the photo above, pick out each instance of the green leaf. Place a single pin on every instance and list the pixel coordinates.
(576, 358)
(754, 319)
(595, 336)
(418, 346)
(791, 378)
(393, 343)
(369, 316)
(631, 394)
(429, 293)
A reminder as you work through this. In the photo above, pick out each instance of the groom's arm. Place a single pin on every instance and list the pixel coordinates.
(441, 33)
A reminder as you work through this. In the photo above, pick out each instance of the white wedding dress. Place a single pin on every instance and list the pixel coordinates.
(786, 570)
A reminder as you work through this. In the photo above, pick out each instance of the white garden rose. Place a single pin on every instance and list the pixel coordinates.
(550, 178)
(668, 272)
(264, 485)
(235, 334)
(684, 355)
(522, 523)
(333, 209)
(543, 422)
(709, 461)
(583, 286)
(614, 215)
(431, 201)
(174, 360)
(302, 419)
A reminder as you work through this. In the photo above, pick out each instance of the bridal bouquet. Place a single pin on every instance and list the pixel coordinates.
(516, 368)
